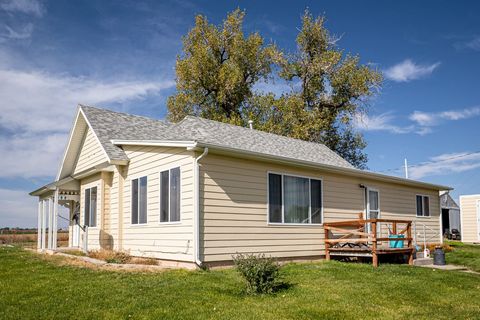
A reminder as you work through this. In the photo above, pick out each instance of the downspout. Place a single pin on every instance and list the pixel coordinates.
(196, 168)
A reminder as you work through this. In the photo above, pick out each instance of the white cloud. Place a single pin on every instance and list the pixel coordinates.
(40, 102)
(445, 164)
(408, 70)
(23, 33)
(39, 107)
(429, 119)
(31, 155)
(32, 7)
(18, 208)
(381, 122)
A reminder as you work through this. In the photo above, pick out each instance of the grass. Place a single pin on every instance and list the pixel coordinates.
(465, 255)
(37, 287)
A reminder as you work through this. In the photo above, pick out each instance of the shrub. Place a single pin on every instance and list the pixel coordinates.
(144, 261)
(110, 256)
(260, 273)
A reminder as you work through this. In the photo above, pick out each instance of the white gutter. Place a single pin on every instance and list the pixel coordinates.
(196, 168)
(160, 143)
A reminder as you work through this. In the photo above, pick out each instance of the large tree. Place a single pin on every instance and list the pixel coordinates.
(218, 69)
(328, 87)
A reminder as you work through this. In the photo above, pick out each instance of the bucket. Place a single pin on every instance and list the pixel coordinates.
(396, 243)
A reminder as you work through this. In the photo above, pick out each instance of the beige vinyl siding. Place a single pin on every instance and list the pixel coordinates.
(174, 240)
(468, 214)
(234, 208)
(91, 153)
(95, 234)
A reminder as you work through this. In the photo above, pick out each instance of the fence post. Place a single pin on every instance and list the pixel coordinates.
(327, 245)
(409, 236)
(374, 244)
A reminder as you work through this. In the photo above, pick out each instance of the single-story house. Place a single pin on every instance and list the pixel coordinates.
(470, 215)
(199, 191)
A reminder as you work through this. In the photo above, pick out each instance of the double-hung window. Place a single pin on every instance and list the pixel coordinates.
(423, 206)
(139, 200)
(91, 207)
(170, 195)
(293, 199)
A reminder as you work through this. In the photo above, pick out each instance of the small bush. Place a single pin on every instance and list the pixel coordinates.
(144, 261)
(445, 246)
(110, 256)
(260, 273)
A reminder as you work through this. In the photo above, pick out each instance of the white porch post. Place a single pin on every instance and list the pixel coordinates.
(39, 225)
(50, 222)
(55, 220)
(44, 222)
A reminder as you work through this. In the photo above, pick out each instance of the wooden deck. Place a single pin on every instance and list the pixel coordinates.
(351, 238)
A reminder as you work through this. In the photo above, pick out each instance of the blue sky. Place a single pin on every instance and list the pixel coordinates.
(120, 55)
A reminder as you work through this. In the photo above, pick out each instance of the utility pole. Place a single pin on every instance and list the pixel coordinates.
(406, 169)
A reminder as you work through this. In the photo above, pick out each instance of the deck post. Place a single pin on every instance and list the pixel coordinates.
(327, 245)
(409, 236)
(374, 245)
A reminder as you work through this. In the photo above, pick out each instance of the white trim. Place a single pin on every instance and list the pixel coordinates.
(283, 223)
(470, 196)
(258, 155)
(326, 167)
(368, 189)
(423, 207)
(196, 206)
(159, 143)
(98, 140)
(72, 129)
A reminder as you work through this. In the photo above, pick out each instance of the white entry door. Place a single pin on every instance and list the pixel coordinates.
(76, 235)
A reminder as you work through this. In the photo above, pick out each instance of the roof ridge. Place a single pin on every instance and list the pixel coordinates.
(248, 129)
(123, 113)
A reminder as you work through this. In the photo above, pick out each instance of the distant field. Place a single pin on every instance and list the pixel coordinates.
(30, 239)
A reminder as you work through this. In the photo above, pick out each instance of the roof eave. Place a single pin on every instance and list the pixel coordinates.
(330, 168)
(258, 155)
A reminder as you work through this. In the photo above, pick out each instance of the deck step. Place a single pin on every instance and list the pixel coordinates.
(423, 262)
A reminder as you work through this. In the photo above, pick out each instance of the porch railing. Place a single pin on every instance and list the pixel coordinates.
(367, 236)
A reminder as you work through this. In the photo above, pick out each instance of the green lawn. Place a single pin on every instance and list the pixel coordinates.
(33, 288)
(464, 254)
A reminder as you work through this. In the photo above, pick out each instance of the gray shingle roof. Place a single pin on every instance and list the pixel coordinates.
(109, 125)
(227, 135)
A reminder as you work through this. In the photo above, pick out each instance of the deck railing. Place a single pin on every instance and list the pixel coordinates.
(366, 236)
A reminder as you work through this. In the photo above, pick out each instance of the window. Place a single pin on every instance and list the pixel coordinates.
(294, 199)
(423, 206)
(170, 195)
(373, 208)
(139, 200)
(91, 207)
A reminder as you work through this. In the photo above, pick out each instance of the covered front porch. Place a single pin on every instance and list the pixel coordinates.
(51, 198)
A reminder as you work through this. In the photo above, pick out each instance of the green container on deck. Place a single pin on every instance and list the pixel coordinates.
(396, 243)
